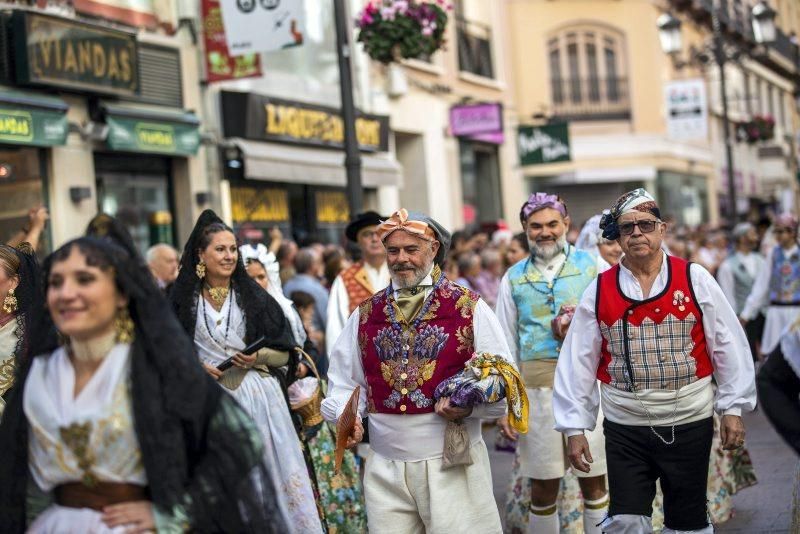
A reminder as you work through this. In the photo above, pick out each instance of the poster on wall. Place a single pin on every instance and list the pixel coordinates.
(548, 143)
(253, 26)
(220, 65)
(687, 110)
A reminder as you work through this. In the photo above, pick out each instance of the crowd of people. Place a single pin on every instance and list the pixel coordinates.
(203, 390)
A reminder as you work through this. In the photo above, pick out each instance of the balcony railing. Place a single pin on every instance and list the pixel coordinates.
(591, 98)
(474, 48)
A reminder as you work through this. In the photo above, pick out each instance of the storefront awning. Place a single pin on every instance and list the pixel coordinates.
(139, 129)
(283, 163)
(30, 119)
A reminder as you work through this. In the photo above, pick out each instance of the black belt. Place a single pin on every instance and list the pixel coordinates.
(776, 303)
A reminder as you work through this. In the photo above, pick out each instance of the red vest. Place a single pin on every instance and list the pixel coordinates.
(404, 363)
(660, 340)
(357, 284)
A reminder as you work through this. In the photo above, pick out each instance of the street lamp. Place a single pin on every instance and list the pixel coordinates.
(669, 33)
(764, 23)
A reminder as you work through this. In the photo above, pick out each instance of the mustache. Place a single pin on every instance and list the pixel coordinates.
(403, 267)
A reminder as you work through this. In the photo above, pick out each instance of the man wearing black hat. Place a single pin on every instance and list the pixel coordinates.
(359, 282)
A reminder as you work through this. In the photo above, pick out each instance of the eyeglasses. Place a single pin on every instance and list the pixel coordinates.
(646, 226)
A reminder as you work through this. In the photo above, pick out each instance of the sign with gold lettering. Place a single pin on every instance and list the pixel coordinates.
(253, 116)
(134, 135)
(63, 53)
(32, 126)
(332, 207)
(259, 204)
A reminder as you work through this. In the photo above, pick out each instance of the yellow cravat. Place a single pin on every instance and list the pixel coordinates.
(410, 301)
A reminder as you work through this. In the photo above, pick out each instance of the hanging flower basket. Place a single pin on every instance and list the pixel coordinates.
(759, 128)
(392, 30)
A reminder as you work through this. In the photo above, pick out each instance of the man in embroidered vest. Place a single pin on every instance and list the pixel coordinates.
(653, 329)
(532, 293)
(777, 287)
(398, 346)
(737, 274)
(361, 280)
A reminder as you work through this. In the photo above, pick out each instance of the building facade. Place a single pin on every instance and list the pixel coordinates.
(99, 112)
(634, 116)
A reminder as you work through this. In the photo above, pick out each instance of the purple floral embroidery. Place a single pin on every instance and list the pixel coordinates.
(389, 344)
(392, 400)
(419, 399)
(429, 342)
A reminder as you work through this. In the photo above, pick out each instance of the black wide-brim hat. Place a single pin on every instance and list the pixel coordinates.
(362, 220)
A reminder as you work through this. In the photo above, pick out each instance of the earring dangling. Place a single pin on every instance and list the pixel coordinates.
(10, 302)
(200, 270)
(123, 326)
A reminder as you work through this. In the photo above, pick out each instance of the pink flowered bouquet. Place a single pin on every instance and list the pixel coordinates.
(562, 321)
(392, 30)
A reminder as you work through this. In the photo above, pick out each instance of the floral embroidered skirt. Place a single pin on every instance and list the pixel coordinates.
(340, 496)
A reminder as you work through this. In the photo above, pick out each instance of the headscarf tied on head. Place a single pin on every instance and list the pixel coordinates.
(540, 201)
(590, 236)
(637, 200)
(419, 225)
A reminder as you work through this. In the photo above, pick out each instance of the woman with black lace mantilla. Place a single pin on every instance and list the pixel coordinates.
(224, 311)
(116, 422)
(19, 288)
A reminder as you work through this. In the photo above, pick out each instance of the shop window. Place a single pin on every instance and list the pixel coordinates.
(480, 183)
(22, 187)
(588, 74)
(474, 37)
(140, 198)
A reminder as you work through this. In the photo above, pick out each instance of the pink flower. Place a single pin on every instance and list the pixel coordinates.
(427, 31)
(401, 6)
(388, 13)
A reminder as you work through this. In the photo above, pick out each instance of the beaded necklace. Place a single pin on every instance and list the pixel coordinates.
(408, 334)
(550, 293)
(224, 343)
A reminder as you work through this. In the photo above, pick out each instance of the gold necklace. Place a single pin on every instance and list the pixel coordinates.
(218, 294)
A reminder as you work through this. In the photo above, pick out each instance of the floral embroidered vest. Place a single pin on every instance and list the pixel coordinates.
(784, 284)
(660, 341)
(403, 363)
(357, 284)
(538, 302)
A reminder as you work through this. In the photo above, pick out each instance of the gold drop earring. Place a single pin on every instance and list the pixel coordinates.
(200, 270)
(10, 302)
(123, 326)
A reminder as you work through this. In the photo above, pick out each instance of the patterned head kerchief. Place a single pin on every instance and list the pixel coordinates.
(636, 200)
(540, 201)
(418, 225)
(741, 229)
(786, 220)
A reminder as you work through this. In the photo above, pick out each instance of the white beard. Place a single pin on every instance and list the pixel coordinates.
(548, 252)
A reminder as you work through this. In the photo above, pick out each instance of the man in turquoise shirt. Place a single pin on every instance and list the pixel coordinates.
(533, 306)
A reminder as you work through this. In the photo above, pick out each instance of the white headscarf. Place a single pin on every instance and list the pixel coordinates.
(590, 235)
(268, 260)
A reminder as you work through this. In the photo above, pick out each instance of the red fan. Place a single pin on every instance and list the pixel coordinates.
(346, 425)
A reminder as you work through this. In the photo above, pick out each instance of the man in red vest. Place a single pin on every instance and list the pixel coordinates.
(653, 330)
(398, 346)
(361, 280)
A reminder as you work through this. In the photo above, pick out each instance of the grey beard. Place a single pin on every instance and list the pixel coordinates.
(548, 252)
(419, 275)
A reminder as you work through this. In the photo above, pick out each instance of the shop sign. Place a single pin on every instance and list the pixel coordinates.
(263, 118)
(220, 65)
(332, 207)
(259, 204)
(74, 55)
(479, 122)
(543, 144)
(134, 135)
(687, 110)
(32, 127)
(253, 26)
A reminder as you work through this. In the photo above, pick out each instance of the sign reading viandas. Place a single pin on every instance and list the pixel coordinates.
(543, 144)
